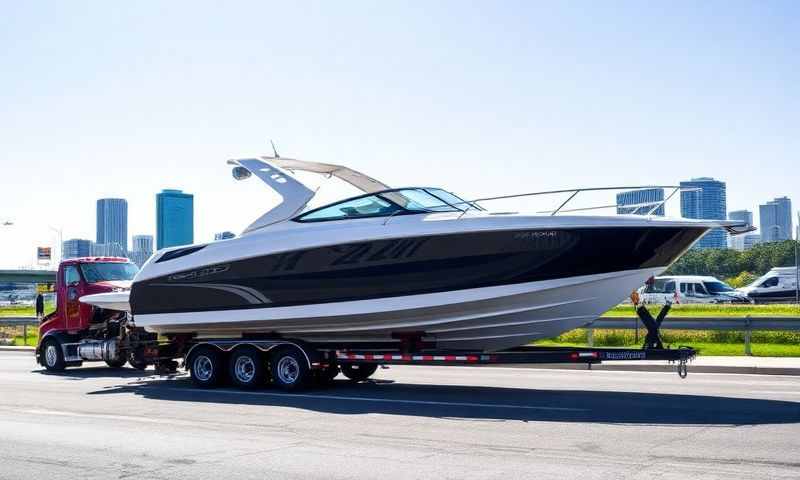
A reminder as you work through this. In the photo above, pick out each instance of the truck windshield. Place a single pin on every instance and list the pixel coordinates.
(101, 272)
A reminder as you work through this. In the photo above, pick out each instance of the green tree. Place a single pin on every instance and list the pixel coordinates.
(742, 280)
(727, 263)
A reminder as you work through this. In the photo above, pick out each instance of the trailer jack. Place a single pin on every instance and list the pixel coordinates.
(653, 325)
(653, 338)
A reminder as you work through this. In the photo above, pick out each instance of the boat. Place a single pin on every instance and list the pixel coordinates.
(397, 263)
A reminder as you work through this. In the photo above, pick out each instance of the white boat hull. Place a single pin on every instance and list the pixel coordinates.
(487, 319)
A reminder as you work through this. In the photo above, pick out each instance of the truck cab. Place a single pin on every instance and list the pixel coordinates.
(74, 324)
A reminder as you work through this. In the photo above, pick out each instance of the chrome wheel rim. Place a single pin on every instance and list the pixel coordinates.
(244, 369)
(288, 370)
(203, 368)
(51, 355)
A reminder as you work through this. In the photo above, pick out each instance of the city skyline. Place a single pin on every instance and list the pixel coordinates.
(73, 247)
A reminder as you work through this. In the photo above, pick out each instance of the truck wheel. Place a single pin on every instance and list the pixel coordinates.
(53, 356)
(289, 369)
(358, 372)
(247, 368)
(205, 367)
(118, 363)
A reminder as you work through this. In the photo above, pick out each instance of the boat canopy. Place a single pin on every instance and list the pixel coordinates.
(294, 194)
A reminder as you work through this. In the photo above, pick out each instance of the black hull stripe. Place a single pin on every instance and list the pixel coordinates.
(410, 266)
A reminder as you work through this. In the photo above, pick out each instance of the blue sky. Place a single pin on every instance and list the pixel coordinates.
(124, 99)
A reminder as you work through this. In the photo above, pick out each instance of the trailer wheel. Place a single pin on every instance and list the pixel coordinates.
(118, 363)
(358, 372)
(136, 363)
(327, 375)
(289, 369)
(53, 356)
(206, 367)
(247, 367)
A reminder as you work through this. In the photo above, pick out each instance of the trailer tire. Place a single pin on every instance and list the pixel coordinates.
(289, 369)
(358, 372)
(137, 364)
(53, 356)
(327, 375)
(118, 363)
(206, 367)
(247, 367)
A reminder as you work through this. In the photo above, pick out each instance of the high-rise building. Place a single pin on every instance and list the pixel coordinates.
(112, 222)
(706, 200)
(174, 218)
(76, 247)
(224, 235)
(745, 216)
(744, 242)
(776, 220)
(142, 249)
(642, 201)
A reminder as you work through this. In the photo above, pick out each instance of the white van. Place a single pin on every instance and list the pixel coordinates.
(777, 285)
(689, 289)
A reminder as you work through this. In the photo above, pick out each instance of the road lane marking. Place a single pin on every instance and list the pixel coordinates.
(380, 400)
(776, 392)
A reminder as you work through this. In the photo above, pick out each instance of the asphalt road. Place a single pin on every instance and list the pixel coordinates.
(411, 422)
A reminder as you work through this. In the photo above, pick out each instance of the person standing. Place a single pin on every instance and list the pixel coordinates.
(39, 307)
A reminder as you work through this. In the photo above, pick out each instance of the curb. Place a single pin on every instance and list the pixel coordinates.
(17, 349)
(670, 368)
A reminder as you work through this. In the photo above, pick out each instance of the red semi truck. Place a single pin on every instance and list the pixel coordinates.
(76, 332)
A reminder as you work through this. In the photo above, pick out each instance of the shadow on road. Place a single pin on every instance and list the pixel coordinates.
(489, 403)
(97, 372)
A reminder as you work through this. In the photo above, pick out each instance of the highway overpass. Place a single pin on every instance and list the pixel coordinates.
(27, 276)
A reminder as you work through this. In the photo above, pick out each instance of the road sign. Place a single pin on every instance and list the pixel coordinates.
(44, 254)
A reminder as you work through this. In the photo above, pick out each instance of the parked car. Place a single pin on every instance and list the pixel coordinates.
(689, 289)
(777, 285)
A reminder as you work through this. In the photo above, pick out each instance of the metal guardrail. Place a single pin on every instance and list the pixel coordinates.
(743, 323)
(746, 324)
(23, 322)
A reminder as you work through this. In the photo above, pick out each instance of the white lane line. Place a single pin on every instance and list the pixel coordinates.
(776, 392)
(289, 396)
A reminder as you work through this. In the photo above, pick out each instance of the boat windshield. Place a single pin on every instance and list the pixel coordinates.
(388, 203)
(420, 200)
(111, 271)
(453, 199)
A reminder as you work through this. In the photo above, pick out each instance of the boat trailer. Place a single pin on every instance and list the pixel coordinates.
(291, 364)
(652, 349)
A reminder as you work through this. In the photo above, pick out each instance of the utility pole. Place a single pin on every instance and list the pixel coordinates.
(60, 232)
(797, 262)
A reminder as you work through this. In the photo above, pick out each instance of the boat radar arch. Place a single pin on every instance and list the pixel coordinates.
(294, 194)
